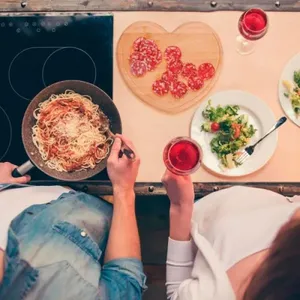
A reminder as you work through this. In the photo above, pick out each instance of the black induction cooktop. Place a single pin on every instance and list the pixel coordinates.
(37, 51)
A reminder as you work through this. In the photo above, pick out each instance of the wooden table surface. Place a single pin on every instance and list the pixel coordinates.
(257, 73)
(143, 5)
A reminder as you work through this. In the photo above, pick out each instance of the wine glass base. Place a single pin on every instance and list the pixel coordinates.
(243, 46)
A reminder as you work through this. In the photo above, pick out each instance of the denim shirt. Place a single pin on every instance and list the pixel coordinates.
(55, 252)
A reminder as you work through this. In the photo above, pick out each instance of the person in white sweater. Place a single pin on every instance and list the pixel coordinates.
(239, 243)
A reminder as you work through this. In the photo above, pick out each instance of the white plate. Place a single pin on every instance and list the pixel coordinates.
(260, 116)
(288, 74)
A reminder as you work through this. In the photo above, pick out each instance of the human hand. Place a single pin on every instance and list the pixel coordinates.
(6, 177)
(121, 170)
(180, 190)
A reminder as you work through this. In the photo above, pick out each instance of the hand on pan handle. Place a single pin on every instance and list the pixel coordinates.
(121, 170)
(6, 170)
(23, 169)
(180, 190)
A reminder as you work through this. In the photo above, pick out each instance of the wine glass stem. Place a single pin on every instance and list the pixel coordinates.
(244, 46)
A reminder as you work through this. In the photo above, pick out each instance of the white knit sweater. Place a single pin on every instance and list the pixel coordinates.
(227, 226)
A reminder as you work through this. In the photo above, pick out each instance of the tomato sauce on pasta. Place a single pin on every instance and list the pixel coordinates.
(71, 132)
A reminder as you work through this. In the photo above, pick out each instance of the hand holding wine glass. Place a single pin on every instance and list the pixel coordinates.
(180, 189)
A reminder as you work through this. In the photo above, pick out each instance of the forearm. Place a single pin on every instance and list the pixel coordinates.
(180, 222)
(123, 241)
(180, 256)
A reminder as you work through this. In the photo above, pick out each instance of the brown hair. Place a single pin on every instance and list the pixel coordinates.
(278, 277)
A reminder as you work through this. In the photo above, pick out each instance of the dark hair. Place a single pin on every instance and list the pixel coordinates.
(278, 277)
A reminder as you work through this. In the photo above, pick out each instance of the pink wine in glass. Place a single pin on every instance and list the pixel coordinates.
(182, 156)
(253, 25)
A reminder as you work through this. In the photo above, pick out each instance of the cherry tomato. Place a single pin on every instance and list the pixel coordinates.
(215, 126)
(237, 130)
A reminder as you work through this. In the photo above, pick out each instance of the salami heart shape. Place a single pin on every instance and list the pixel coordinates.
(199, 44)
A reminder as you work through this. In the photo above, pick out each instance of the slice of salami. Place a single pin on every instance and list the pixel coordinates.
(172, 53)
(178, 89)
(189, 70)
(159, 57)
(151, 63)
(169, 77)
(175, 66)
(137, 43)
(160, 87)
(136, 56)
(206, 71)
(149, 50)
(195, 83)
(138, 68)
(148, 42)
(142, 44)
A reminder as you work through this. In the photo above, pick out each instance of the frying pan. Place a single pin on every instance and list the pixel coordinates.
(35, 160)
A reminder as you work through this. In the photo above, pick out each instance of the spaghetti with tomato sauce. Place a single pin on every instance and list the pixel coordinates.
(71, 132)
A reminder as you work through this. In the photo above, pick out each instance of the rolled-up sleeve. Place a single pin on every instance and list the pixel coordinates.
(180, 261)
(122, 279)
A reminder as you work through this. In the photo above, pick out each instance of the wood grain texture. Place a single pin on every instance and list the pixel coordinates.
(156, 279)
(101, 188)
(155, 291)
(144, 5)
(198, 42)
(153, 224)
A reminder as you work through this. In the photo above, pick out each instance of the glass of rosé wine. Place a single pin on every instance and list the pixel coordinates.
(182, 156)
(253, 25)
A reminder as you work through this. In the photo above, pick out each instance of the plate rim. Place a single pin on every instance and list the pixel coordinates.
(281, 97)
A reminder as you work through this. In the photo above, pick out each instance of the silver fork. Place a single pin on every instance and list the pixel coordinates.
(248, 151)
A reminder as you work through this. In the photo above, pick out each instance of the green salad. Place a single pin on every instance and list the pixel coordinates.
(231, 131)
(293, 92)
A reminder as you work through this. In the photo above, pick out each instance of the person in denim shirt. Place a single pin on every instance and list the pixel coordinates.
(77, 246)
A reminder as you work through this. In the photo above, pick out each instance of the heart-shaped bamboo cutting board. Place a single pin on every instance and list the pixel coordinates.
(199, 44)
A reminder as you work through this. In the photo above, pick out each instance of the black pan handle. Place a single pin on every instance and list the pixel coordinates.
(23, 169)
